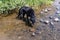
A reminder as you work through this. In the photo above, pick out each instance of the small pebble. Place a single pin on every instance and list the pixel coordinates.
(41, 20)
(31, 30)
(56, 19)
(41, 12)
(45, 10)
(24, 30)
(51, 23)
(38, 28)
(19, 37)
(42, 9)
(46, 21)
(50, 17)
(33, 34)
(58, 12)
(38, 32)
(49, 9)
(57, 8)
(52, 26)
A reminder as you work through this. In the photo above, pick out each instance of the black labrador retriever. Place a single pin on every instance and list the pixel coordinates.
(29, 12)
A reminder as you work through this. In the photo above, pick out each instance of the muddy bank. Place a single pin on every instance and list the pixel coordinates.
(15, 29)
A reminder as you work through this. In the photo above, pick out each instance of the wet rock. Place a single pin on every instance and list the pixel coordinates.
(56, 19)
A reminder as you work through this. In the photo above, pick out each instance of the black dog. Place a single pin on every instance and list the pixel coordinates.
(29, 12)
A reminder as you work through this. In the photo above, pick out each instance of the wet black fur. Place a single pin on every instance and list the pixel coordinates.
(29, 12)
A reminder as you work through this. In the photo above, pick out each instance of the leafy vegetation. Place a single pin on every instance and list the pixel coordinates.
(6, 5)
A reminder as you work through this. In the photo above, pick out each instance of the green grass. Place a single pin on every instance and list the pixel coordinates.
(11, 4)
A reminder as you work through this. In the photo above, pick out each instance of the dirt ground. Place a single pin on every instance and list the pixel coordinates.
(12, 28)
